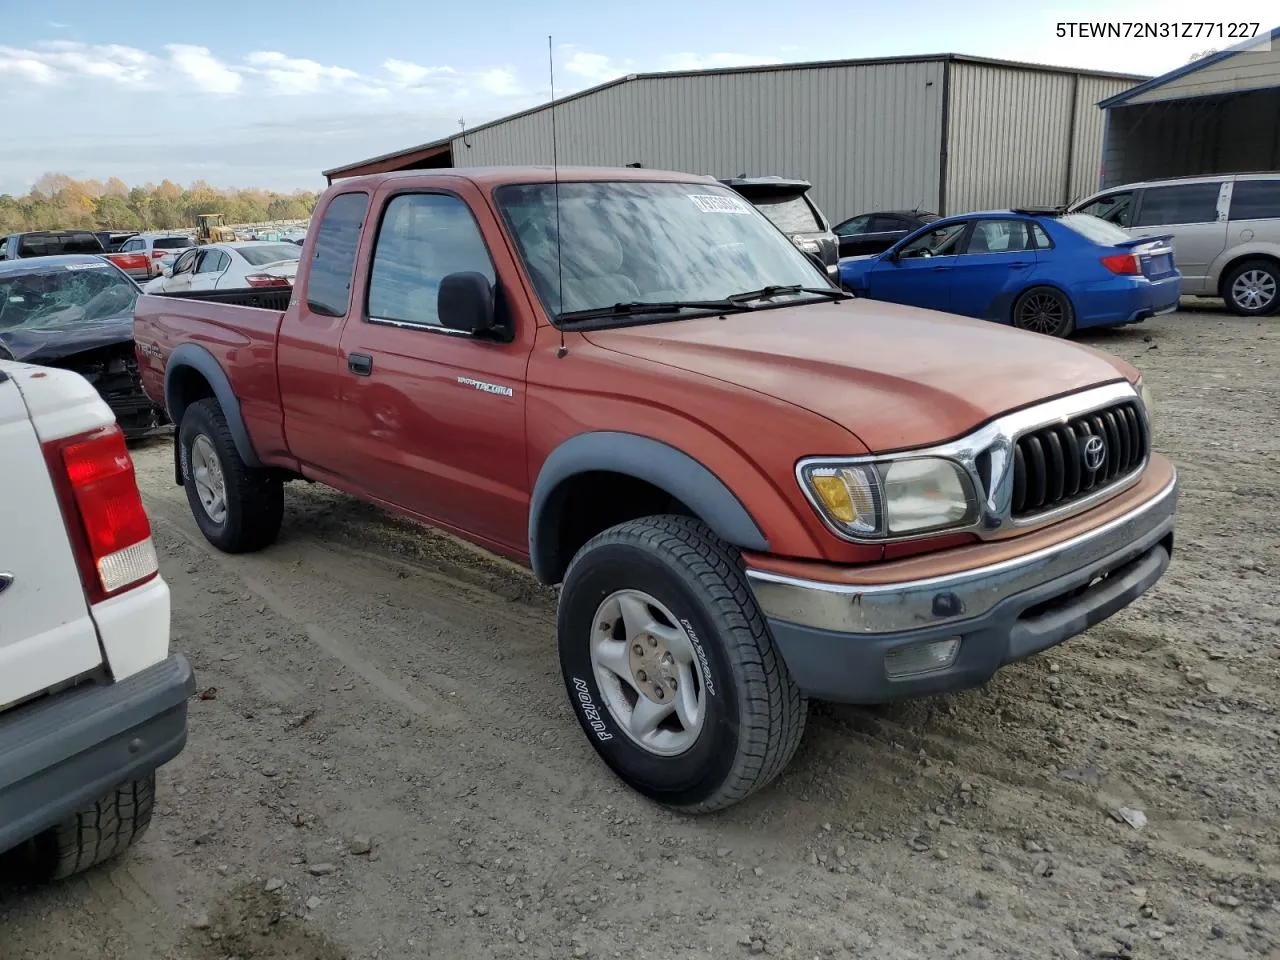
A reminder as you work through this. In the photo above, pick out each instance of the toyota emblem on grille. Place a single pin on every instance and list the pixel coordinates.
(1094, 454)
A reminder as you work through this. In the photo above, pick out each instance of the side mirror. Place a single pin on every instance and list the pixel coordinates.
(465, 303)
(166, 270)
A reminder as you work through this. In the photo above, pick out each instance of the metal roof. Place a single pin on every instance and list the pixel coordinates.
(1155, 82)
(437, 146)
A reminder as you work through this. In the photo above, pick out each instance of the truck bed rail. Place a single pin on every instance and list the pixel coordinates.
(265, 298)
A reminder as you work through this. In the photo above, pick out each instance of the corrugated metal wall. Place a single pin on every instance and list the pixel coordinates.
(1010, 139)
(867, 136)
(1091, 123)
(1246, 70)
(1238, 133)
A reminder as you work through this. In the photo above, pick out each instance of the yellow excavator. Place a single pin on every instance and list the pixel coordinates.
(209, 229)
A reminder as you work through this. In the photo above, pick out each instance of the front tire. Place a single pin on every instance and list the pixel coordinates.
(238, 508)
(1044, 310)
(1253, 289)
(671, 668)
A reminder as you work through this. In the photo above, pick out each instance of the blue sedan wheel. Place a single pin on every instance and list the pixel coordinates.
(1044, 310)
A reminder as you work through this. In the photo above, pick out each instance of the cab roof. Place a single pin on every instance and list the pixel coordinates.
(488, 177)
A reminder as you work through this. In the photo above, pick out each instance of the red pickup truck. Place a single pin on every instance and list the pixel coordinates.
(752, 488)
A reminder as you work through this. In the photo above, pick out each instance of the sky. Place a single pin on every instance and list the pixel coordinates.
(267, 93)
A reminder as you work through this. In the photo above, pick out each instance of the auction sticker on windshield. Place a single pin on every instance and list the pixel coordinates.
(710, 203)
(86, 266)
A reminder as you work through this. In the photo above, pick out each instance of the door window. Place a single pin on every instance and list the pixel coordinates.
(130, 246)
(213, 261)
(184, 263)
(333, 255)
(999, 236)
(1183, 203)
(854, 226)
(935, 243)
(881, 223)
(1115, 208)
(423, 238)
(1042, 241)
(1255, 200)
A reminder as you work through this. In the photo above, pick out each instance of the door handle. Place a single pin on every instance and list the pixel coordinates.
(361, 364)
(1019, 264)
(941, 268)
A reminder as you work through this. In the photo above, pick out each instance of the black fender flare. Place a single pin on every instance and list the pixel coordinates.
(646, 459)
(197, 358)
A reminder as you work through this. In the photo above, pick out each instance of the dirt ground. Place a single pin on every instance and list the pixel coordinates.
(383, 764)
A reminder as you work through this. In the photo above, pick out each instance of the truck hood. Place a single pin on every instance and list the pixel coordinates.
(897, 377)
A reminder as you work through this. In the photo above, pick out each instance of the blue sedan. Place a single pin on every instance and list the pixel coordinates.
(1037, 270)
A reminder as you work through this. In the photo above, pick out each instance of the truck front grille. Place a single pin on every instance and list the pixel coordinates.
(1056, 465)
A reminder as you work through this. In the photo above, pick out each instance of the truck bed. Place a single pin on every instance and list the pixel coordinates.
(263, 298)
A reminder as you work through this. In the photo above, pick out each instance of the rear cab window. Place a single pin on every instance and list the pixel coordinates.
(333, 255)
(172, 243)
(1256, 200)
(789, 213)
(1179, 204)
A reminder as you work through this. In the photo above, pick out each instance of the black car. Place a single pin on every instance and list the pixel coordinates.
(870, 233)
(787, 204)
(76, 312)
(48, 243)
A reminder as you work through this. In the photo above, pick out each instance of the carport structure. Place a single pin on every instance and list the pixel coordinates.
(1218, 114)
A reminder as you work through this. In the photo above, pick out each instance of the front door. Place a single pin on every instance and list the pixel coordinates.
(179, 279)
(1195, 214)
(210, 265)
(436, 417)
(920, 272)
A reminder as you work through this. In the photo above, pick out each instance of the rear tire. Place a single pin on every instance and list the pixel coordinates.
(97, 833)
(238, 508)
(1044, 310)
(1252, 289)
(695, 599)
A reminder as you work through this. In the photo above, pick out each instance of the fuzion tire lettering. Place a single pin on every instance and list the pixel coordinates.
(707, 680)
(589, 710)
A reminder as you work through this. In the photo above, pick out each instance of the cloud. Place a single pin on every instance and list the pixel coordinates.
(50, 62)
(291, 75)
(411, 74)
(593, 67)
(713, 61)
(201, 67)
(500, 81)
(27, 67)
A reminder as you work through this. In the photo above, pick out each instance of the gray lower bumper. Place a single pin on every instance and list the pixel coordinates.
(835, 639)
(64, 752)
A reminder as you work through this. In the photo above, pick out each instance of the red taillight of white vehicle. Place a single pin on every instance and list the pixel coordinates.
(105, 517)
(267, 280)
(1123, 264)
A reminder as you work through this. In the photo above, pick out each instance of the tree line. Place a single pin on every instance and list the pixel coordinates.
(57, 201)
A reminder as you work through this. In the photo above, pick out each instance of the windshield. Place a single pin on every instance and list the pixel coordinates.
(640, 242)
(789, 213)
(1094, 228)
(270, 253)
(64, 296)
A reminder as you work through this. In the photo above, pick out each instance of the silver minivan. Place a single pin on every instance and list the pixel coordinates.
(1225, 229)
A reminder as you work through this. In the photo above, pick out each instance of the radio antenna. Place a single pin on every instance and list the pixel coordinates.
(555, 177)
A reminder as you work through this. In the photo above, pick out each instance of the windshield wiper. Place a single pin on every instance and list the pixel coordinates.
(768, 293)
(641, 308)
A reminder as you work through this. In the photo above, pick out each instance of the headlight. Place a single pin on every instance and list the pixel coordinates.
(807, 244)
(892, 498)
(1145, 394)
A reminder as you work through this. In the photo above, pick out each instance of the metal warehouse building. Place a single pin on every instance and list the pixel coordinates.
(1218, 114)
(946, 133)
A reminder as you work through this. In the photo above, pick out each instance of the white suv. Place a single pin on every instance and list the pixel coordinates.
(91, 700)
(1225, 230)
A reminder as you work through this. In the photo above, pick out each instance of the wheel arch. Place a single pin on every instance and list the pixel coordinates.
(193, 374)
(1238, 256)
(588, 457)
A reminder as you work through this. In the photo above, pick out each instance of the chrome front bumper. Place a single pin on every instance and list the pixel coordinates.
(919, 604)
